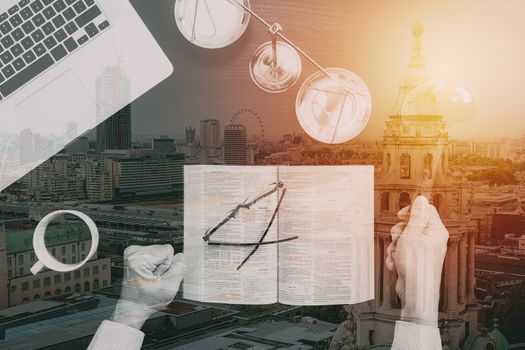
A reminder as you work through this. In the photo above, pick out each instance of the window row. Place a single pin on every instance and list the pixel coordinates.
(77, 289)
(405, 200)
(54, 251)
(58, 278)
(405, 165)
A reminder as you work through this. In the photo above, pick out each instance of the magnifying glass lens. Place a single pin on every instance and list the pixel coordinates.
(68, 239)
(62, 243)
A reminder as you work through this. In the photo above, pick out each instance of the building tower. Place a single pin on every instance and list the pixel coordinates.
(190, 135)
(113, 89)
(235, 144)
(415, 162)
(210, 133)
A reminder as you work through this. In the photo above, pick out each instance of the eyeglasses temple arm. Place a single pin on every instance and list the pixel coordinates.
(231, 215)
(227, 244)
(266, 230)
(262, 196)
(234, 212)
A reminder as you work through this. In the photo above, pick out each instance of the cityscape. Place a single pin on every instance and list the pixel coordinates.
(134, 192)
(132, 186)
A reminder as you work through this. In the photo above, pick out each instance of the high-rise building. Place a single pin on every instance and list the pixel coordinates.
(415, 162)
(190, 135)
(210, 133)
(235, 144)
(115, 132)
(112, 89)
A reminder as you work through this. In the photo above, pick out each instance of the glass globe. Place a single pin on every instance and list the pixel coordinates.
(275, 78)
(455, 102)
(211, 24)
(336, 109)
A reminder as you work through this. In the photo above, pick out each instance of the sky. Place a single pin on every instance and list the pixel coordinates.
(478, 44)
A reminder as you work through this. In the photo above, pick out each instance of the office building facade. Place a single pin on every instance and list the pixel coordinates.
(210, 133)
(115, 132)
(68, 242)
(145, 176)
(235, 144)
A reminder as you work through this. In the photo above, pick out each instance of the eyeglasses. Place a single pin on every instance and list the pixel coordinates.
(247, 204)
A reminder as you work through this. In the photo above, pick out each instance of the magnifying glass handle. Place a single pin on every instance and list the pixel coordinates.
(36, 268)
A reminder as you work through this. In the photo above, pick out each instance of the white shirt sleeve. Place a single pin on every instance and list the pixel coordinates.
(116, 336)
(412, 336)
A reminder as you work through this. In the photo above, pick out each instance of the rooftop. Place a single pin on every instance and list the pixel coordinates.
(44, 316)
(64, 319)
(125, 217)
(19, 238)
(271, 333)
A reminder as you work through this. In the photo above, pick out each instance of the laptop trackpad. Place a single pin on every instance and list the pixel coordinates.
(63, 100)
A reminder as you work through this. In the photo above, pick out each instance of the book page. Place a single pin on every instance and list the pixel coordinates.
(210, 194)
(331, 209)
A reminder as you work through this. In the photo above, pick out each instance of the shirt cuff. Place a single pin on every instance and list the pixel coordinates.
(116, 336)
(412, 336)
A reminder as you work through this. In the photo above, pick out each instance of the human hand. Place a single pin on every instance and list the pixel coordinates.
(152, 277)
(417, 253)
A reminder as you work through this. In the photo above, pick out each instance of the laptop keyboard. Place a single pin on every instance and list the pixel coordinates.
(36, 34)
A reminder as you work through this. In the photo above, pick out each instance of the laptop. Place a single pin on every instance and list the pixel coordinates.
(67, 65)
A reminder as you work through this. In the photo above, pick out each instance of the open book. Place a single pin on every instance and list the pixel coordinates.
(319, 218)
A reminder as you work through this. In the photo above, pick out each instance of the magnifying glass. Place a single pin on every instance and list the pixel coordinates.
(47, 260)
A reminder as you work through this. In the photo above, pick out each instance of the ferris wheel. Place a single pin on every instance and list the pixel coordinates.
(252, 121)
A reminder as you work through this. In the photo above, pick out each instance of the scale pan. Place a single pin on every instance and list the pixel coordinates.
(330, 113)
(211, 24)
(275, 79)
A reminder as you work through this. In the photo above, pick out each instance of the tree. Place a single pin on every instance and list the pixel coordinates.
(510, 315)
(503, 175)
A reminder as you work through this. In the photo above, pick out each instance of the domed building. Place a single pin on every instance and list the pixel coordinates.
(498, 338)
(415, 162)
(478, 342)
(346, 337)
